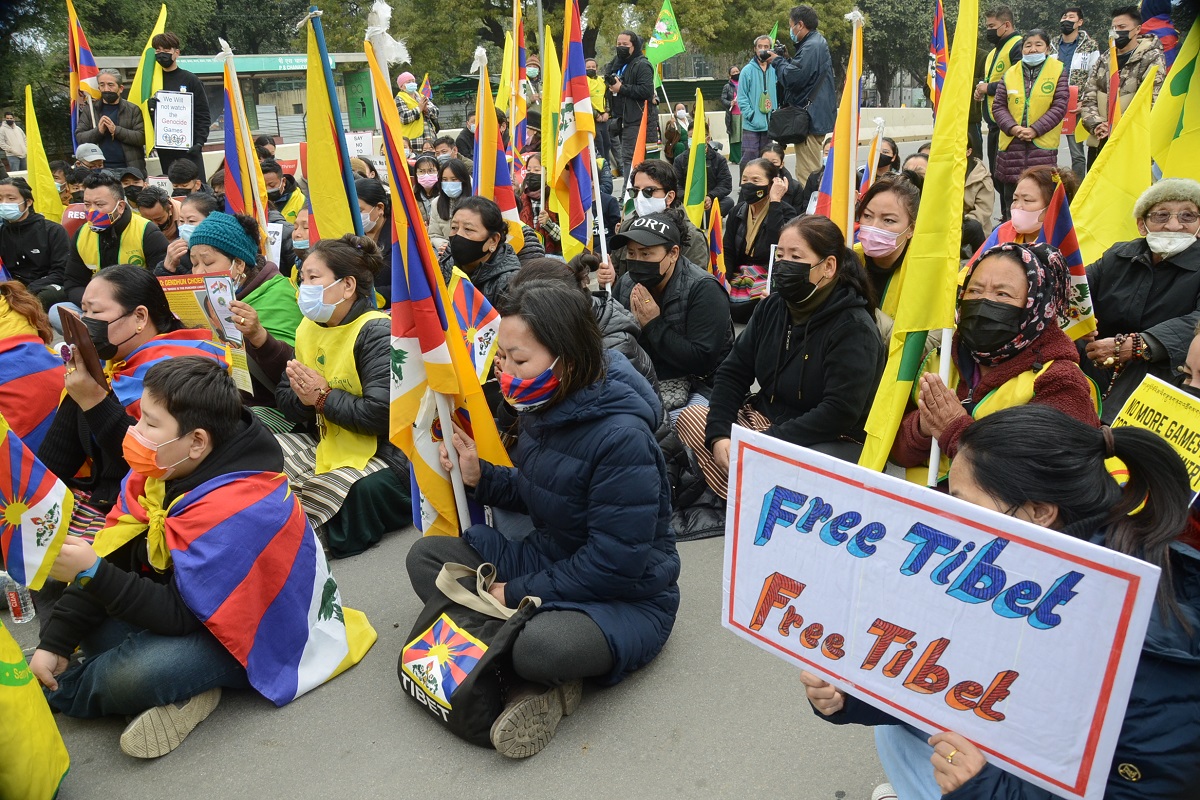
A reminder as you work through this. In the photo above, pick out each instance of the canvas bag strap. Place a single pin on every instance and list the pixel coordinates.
(481, 599)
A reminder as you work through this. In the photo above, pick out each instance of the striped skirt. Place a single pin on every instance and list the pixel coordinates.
(690, 426)
(86, 520)
(321, 495)
(749, 284)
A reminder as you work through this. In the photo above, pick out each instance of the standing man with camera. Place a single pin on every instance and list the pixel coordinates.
(806, 85)
(630, 80)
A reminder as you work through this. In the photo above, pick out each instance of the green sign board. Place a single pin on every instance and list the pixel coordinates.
(209, 65)
(360, 101)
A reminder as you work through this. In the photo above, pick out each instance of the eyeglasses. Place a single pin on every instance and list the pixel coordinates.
(1163, 217)
(647, 192)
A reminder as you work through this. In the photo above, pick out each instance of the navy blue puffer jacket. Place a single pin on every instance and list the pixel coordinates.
(592, 477)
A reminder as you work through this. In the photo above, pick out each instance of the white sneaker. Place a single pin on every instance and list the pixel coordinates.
(160, 730)
(883, 791)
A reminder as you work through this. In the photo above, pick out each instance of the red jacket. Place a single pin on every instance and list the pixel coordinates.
(1062, 386)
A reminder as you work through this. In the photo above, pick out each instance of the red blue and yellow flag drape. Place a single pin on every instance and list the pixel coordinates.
(81, 64)
(245, 189)
(1156, 19)
(492, 178)
(31, 384)
(429, 354)
(576, 131)
(127, 377)
(332, 199)
(478, 320)
(35, 507)
(939, 57)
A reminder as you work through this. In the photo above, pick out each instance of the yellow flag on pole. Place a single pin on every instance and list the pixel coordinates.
(46, 200)
(504, 90)
(1103, 206)
(1175, 117)
(844, 194)
(696, 187)
(147, 81)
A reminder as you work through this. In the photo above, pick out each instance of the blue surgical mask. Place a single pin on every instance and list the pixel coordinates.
(300, 244)
(410, 87)
(1033, 59)
(10, 211)
(311, 300)
(185, 231)
(795, 38)
(451, 188)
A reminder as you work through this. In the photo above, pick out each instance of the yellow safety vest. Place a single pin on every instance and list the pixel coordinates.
(293, 206)
(129, 250)
(996, 65)
(1026, 109)
(330, 351)
(416, 128)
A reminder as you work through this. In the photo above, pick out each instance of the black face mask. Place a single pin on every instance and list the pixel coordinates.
(180, 192)
(110, 97)
(985, 325)
(591, 73)
(77, 197)
(165, 59)
(98, 333)
(274, 194)
(1121, 40)
(10, 122)
(623, 53)
(647, 273)
(131, 193)
(1067, 27)
(885, 160)
(992, 36)
(465, 251)
(751, 193)
(790, 279)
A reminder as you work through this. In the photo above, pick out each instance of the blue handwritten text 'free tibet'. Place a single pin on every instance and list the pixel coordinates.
(979, 580)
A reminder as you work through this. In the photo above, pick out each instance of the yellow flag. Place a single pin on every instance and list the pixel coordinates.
(1103, 206)
(1175, 118)
(35, 758)
(696, 187)
(504, 92)
(551, 91)
(46, 200)
(845, 139)
(928, 279)
(147, 81)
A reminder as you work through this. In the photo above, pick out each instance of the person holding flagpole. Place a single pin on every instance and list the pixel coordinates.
(116, 125)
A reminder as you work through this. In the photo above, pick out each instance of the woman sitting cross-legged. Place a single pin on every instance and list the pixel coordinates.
(589, 472)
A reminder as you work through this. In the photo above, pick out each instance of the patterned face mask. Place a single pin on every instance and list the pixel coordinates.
(527, 394)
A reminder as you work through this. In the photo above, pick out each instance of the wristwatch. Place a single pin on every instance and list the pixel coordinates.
(85, 577)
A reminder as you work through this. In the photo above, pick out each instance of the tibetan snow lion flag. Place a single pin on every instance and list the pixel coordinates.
(35, 507)
(249, 566)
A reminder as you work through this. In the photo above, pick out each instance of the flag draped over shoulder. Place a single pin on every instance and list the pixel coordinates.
(250, 567)
(332, 199)
(1175, 117)
(939, 57)
(492, 178)
(85, 75)
(1103, 206)
(576, 130)
(35, 507)
(844, 153)
(35, 758)
(128, 377)
(928, 278)
(147, 81)
(696, 187)
(666, 40)
(429, 353)
(46, 199)
(31, 378)
(245, 189)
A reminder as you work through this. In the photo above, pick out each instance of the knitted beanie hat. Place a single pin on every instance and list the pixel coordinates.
(223, 232)
(1164, 192)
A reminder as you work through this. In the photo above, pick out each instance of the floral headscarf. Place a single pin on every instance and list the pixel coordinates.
(1047, 281)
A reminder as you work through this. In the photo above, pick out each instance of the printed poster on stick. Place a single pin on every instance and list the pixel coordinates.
(173, 121)
(1173, 414)
(945, 615)
(202, 301)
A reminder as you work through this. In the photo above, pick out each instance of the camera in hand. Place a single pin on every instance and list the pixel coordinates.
(610, 79)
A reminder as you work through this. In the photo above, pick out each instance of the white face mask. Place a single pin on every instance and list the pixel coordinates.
(368, 223)
(312, 301)
(644, 206)
(1169, 243)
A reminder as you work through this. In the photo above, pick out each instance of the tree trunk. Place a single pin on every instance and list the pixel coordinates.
(883, 82)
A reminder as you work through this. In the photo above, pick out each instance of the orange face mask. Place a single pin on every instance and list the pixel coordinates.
(141, 455)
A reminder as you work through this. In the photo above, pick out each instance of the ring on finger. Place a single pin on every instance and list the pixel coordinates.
(950, 758)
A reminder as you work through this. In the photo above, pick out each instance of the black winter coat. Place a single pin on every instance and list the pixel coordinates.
(637, 86)
(815, 389)
(1131, 294)
(35, 251)
(620, 332)
(693, 332)
(778, 215)
(590, 474)
(719, 180)
(125, 586)
(369, 413)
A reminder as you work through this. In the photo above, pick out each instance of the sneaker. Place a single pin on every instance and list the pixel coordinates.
(160, 730)
(883, 791)
(530, 719)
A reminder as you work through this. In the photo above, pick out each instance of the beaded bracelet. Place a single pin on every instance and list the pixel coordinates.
(319, 406)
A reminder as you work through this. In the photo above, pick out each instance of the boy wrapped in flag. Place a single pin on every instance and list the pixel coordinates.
(207, 565)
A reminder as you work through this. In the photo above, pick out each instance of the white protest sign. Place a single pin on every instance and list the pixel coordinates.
(274, 241)
(945, 615)
(161, 183)
(173, 121)
(359, 143)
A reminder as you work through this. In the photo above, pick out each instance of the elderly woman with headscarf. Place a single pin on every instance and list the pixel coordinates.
(1146, 294)
(1009, 350)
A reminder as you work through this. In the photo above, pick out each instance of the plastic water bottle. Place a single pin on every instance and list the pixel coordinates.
(19, 600)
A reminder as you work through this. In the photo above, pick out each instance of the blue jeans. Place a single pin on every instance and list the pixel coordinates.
(55, 320)
(904, 753)
(16, 162)
(127, 670)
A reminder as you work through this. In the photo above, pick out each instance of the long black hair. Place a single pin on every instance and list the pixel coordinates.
(1036, 453)
(135, 286)
(825, 239)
